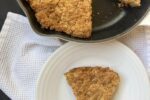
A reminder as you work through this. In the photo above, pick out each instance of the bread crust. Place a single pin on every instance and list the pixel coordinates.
(132, 3)
(93, 83)
(74, 17)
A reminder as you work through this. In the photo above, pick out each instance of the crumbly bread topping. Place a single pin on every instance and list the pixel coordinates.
(132, 3)
(73, 17)
(93, 83)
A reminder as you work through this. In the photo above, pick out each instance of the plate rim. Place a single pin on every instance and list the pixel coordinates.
(72, 44)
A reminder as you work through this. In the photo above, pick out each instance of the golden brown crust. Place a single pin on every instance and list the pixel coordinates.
(73, 17)
(93, 83)
(132, 3)
(38, 5)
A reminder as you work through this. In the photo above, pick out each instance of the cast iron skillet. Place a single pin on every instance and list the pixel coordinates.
(109, 21)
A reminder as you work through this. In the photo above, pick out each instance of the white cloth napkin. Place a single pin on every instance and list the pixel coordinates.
(22, 54)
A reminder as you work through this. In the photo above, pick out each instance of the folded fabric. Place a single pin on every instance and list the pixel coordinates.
(23, 53)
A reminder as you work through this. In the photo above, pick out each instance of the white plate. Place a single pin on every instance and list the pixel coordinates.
(134, 84)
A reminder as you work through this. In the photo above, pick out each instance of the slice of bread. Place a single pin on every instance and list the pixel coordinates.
(73, 17)
(93, 83)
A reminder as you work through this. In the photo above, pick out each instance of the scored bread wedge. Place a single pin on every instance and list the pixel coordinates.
(73, 17)
(93, 83)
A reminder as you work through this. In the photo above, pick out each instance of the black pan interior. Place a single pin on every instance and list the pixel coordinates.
(113, 20)
(108, 20)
